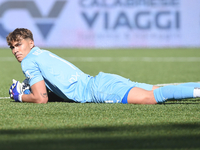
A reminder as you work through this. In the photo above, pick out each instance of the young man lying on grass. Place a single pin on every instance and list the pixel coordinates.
(47, 71)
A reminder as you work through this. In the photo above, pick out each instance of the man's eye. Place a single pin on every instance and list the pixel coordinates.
(16, 45)
(11, 47)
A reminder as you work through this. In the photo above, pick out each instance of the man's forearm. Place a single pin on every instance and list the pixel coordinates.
(31, 98)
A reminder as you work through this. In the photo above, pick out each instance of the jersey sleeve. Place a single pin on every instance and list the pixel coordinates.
(31, 71)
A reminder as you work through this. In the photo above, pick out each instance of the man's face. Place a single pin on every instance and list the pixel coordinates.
(21, 48)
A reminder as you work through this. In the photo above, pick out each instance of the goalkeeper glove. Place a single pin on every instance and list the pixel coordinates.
(15, 91)
(19, 89)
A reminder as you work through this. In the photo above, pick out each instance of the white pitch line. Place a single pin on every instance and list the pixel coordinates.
(122, 59)
(4, 97)
(165, 84)
(132, 59)
(7, 58)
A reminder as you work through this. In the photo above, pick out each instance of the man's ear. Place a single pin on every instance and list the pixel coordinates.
(31, 42)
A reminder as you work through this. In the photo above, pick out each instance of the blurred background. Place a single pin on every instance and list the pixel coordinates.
(104, 23)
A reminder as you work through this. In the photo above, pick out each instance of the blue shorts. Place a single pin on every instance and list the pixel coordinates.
(111, 88)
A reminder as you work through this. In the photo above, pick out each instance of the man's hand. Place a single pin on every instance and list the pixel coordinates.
(37, 93)
(21, 88)
(16, 91)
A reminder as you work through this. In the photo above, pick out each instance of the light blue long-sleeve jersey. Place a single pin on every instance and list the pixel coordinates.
(60, 76)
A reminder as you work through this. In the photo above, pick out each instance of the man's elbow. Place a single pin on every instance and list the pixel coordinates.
(42, 100)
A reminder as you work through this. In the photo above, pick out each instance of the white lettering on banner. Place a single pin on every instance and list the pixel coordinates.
(62, 61)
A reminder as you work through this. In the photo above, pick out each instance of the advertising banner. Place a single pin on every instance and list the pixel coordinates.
(104, 23)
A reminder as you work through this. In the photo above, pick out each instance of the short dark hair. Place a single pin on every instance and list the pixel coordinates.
(19, 33)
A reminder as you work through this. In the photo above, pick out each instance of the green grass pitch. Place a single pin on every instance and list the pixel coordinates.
(60, 125)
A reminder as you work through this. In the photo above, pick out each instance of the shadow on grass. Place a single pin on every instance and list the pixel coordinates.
(180, 103)
(172, 136)
(184, 101)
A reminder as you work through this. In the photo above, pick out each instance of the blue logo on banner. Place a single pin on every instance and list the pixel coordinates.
(34, 11)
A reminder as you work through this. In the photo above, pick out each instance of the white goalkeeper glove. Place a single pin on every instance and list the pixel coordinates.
(18, 89)
(15, 91)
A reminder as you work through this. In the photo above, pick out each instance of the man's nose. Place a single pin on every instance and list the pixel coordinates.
(15, 49)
